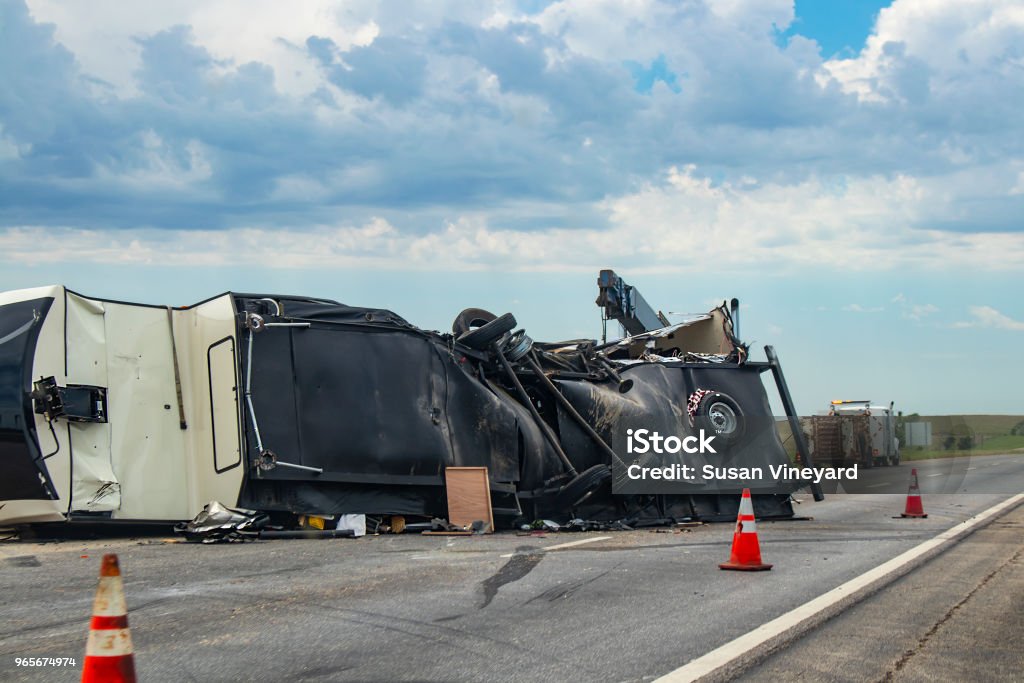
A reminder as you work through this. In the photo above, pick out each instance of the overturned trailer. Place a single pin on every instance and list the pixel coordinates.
(128, 412)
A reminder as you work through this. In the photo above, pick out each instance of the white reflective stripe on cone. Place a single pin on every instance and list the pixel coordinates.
(109, 598)
(748, 526)
(113, 642)
(746, 507)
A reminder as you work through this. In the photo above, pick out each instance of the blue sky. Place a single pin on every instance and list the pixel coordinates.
(852, 171)
(839, 27)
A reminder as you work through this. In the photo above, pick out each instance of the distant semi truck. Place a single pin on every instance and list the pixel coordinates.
(853, 432)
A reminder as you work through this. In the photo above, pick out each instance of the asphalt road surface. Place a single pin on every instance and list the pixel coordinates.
(617, 606)
(944, 475)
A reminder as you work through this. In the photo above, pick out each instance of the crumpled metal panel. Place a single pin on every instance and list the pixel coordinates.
(218, 523)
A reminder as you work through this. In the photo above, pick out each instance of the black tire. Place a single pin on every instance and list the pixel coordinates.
(720, 415)
(583, 486)
(482, 337)
(469, 319)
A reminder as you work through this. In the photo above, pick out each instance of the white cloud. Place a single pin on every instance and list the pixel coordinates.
(986, 316)
(927, 48)
(857, 308)
(160, 167)
(913, 311)
(103, 34)
(9, 149)
(919, 311)
(524, 141)
(369, 244)
(863, 224)
(684, 224)
(1018, 187)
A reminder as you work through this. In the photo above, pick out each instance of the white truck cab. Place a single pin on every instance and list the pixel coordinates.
(872, 439)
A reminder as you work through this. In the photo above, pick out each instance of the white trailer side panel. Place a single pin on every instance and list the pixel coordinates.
(208, 359)
(148, 447)
(142, 463)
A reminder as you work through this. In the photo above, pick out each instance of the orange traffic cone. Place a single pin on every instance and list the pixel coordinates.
(746, 552)
(108, 654)
(914, 507)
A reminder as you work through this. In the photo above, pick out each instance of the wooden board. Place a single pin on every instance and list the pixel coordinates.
(469, 496)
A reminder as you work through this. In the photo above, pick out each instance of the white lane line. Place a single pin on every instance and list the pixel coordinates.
(937, 474)
(734, 649)
(570, 544)
(875, 486)
(579, 542)
(971, 468)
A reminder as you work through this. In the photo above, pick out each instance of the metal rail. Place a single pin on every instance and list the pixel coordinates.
(794, 423)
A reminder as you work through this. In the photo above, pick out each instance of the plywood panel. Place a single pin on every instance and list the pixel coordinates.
(469, 496)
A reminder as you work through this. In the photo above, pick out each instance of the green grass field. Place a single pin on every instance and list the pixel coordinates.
(990, 425)
(994, 446)
(1005, 443)
(988, 434)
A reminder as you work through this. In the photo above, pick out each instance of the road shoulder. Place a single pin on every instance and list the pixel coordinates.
(950, 619)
